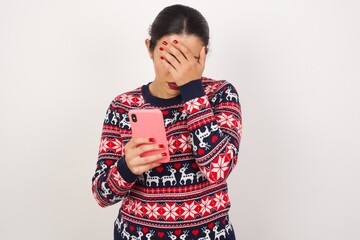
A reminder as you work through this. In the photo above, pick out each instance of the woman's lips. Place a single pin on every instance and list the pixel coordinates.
(173, 85)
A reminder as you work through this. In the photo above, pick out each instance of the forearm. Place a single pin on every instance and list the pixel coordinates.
(112, 179)
(215, 131)
(109, 186)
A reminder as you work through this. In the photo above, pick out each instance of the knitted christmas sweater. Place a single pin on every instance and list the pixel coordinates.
(186, 198)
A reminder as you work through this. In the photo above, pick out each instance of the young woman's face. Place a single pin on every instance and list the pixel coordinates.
(163, 77)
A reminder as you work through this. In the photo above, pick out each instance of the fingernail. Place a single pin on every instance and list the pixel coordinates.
(163, 154)
(161, 145)
(175, 41)
(165, 43)
(152, 140)
(161, 57)
(161, 49)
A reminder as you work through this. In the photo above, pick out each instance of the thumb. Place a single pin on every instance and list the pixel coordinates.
(202, 56)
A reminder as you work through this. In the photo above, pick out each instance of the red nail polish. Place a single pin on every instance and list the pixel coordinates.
(164, 154)
(161, 145)
(152, 140)
(175, 41)
(161, 49)
(165, 43)
(161, 57)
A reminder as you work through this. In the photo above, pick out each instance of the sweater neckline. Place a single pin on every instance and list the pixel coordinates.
(160, 102)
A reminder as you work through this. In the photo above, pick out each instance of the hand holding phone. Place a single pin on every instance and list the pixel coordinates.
(149, 123)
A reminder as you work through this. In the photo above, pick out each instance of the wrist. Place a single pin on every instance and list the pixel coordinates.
(182, 82)
(125, 171)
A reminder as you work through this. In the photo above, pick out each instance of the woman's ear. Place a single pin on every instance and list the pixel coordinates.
(147, 43)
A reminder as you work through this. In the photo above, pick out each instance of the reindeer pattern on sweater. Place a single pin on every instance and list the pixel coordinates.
(186, 198)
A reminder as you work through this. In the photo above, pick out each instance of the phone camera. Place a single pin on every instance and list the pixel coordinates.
(133, 117)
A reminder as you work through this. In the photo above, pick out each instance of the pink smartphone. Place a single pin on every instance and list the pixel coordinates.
(149, 123)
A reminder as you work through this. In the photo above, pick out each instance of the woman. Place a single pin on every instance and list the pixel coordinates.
(187, 197)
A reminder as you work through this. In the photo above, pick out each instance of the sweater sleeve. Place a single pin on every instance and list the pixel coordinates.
(112, 179)
(215, 131)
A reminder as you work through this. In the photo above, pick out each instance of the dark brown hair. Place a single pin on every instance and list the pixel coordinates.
(178, 19)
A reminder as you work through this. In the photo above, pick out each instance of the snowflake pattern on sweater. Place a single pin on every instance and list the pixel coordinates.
(186, 198)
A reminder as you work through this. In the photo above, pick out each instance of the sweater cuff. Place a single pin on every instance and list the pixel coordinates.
(125, 172)
(192, 90)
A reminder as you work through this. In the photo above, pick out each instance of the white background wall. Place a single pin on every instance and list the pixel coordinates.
(295, 65)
